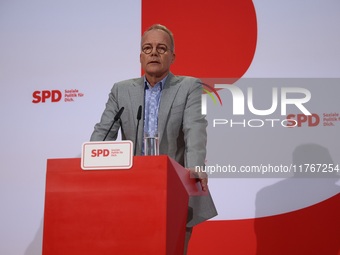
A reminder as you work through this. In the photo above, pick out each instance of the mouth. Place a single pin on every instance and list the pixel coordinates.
(154, 62)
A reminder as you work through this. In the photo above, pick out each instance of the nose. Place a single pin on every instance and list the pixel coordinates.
(154, 51)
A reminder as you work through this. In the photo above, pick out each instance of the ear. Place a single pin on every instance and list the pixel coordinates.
(173, 58)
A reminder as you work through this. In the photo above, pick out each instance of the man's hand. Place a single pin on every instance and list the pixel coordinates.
(204, 183)
(202, 177)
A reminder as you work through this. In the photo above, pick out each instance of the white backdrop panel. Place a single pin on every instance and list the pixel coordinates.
(54, 45)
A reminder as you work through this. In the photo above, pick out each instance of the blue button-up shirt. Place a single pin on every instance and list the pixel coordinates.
(151, 106)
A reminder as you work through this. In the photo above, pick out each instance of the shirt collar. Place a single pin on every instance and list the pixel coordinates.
(161, 83)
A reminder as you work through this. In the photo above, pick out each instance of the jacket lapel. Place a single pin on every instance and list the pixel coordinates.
(136, 92)
(168, 95)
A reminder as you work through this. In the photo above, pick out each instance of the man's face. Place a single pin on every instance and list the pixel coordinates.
(157, 63)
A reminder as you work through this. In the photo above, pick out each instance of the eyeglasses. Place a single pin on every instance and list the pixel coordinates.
(161, 49)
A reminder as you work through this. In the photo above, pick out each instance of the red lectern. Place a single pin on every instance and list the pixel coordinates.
(142, 210)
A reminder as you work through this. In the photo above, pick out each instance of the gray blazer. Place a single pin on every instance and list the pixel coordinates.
(181, 127)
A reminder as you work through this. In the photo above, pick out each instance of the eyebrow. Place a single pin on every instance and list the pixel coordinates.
(156, 45)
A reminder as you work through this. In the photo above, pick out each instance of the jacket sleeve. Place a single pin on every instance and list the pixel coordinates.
(111, 109)
(194, 127)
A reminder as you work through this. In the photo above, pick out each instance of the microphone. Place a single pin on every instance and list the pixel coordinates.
(139, 116)
(117, 117)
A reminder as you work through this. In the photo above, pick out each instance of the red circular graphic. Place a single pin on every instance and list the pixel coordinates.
(215, 39)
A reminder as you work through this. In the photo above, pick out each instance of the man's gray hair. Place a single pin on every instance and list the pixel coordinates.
(166, 30)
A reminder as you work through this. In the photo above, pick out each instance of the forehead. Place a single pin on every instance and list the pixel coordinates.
(156, 37)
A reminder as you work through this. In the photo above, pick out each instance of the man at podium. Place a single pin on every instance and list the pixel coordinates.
(171, 113)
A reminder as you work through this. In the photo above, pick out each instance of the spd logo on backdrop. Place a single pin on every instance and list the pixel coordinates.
(56, 96)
